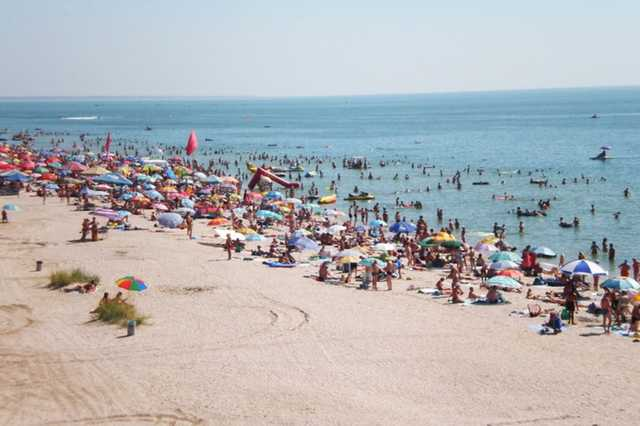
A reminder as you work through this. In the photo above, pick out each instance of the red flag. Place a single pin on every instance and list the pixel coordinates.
(192, 143)
(107, 144)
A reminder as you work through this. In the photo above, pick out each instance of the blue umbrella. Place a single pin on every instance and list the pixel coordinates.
(274, 195)
(11, 207)
(268, 214)
(51, 187)
(505, 255)
(112, 179)
(254, 237)
(621, 283)
(377, 223)
(170, 220)
(304, 243)
(187, 203)
(149, 186)
(402, 227)
(504, 282)
(543, 251)
(170, 174)
(582, 267)
(15, 176)
(361, 228)
(154, 195)
(213, 180)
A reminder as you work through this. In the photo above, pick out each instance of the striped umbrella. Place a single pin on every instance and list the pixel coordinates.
(583, 267)
(131, 283)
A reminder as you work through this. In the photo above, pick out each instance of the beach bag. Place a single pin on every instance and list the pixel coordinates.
(564, 315)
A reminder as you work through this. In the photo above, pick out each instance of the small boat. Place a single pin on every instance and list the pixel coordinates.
(208, 140)
(267, 126)
(310, 174)
(538, 181)
(360, 196)
(148, 128)
(297, 169)
(327, 199)
(595, 116)
(272, 145)
(480, 183)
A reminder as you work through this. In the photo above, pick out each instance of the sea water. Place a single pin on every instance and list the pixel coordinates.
(546, 133)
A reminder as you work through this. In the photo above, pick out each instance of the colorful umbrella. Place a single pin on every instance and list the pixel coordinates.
(621, 283)
(131, 283)
(504, 282)
(505, 255)
(583, 267)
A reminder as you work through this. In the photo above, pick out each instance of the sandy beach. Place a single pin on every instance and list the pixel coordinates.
(232, 342)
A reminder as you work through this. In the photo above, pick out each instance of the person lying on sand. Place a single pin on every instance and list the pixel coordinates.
(89, 287)
(456, 292)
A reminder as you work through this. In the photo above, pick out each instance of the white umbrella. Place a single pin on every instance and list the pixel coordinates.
(583, 267)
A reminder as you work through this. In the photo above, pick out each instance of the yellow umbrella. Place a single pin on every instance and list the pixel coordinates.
(348, 259)
(490, 239)
(442, 237)
(95, 171)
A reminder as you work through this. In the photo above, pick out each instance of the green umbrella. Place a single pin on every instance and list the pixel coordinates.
(428, 243)
(369, 261)
(453, 244)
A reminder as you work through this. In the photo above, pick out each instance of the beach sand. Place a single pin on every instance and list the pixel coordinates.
(238, 343)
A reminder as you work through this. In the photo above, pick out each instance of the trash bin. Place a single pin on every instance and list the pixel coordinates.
(131, 327)
(39, 265)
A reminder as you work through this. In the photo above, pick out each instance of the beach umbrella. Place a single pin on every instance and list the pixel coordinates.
(582, 267)
(186, 202)
(131, 283)
(348, 253)
(384, 247)
(230, 180)
(255, 237)
(451, 244)
(402, 228)
(183, 211)
(503, 264)
(95, 171)
(199, 175)
(170, 220)
(360, 228)
(41, 170)
(55, 165)
(27, 165)
(192, 143)
(268, 214)
(334, 213)
(273, 195)
(11, 208)
(51, 187)
(218, 221)
(621, 283)
(348, 259)
(294, 201)
(335, 229)
(428, 243)
(75, 166)
(490, 239)
(377, 223)
(222, 233)
(160, 207)
(15, 176)
(505, 255)
(441, 237)
(304, 243)
(542, 251)
(485, 248)
(212, 180)
(503, 282)
(369, 261)
(154, 195)
(510, 273)
(112, 179)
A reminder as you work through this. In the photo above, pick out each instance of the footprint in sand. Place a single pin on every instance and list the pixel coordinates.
(14, 318)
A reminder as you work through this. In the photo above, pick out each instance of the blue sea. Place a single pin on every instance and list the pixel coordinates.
(545, 133)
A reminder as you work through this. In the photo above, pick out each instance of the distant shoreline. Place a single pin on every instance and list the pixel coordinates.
(140, 98)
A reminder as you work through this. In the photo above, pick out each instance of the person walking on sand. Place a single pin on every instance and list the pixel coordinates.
(228, 245)
(85, 229)
(94, 230)
(189, 222)
(605, 307)
(5, 216)
(389, 270)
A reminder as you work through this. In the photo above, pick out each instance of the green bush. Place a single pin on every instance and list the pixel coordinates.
(118, 313)
(63, 278)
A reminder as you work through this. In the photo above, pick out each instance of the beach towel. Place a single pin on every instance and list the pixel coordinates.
(483, 301)
(272, 264)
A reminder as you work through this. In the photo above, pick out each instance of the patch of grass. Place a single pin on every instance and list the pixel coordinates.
(63, 278)
(119, 313)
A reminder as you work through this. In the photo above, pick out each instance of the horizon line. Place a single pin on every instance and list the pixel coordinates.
(263, 97)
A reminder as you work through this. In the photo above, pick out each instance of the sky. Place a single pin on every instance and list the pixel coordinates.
(276, 48)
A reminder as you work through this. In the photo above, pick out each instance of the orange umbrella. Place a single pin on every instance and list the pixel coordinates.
(218, 221)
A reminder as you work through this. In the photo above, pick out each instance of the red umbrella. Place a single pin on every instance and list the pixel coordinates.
(48, 176)
(74, 166)
(6, 166)
(27, 165)
(53, 159)
(192, 143)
